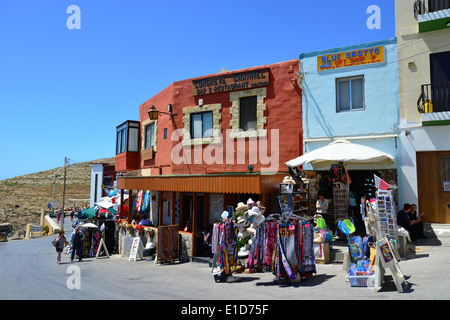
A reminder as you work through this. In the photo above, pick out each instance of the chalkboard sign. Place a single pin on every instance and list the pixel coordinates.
(127, 243)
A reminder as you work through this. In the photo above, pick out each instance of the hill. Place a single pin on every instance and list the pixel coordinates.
(23, 198)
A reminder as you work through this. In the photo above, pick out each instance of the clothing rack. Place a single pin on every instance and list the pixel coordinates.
(283, 244)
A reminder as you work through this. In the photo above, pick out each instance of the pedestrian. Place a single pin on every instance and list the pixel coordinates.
(76, 240)
(59, 216)
(72, 213)
(61, 239)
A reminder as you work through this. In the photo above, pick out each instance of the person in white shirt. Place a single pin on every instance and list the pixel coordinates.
(322, 204)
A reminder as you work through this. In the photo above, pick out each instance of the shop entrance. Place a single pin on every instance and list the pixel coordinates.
(362, 185)
(433, 184)
(188, 210)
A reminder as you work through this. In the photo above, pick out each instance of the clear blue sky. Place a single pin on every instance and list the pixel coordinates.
(63, 92)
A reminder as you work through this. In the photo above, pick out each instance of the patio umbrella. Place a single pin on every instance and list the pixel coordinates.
(105, 202)
(88, 225)
(342, 151)
(90, 212)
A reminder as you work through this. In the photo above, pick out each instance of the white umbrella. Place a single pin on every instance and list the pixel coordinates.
(105, 202)
(88, 225)
(344, 151)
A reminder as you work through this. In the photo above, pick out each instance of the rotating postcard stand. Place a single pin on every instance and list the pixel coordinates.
(386, 256)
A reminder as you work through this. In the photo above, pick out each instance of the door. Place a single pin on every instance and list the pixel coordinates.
(444, 188)
(433, 183)
(427, 186)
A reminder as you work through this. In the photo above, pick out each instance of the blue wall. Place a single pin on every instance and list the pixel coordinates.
(381, 113)
(379, 118)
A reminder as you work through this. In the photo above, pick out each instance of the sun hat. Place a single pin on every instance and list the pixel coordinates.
(241, 207)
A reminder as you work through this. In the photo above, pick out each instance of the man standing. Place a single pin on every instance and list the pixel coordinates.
(76, 240)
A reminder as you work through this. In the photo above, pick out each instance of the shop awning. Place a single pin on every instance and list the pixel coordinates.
(343, 151)
(251, 183)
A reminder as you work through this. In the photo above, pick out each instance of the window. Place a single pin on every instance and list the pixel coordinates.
(202, 125)
(247, 113)
(149, 136)
(446, 173)
(350, 94)
(127, 137)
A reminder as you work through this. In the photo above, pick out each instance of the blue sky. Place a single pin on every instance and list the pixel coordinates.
(63, 91)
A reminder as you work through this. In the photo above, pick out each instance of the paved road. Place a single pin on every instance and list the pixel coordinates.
(28, 271)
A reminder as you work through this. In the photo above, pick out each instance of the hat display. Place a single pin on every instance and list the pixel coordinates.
(241, 207)
(288, 179)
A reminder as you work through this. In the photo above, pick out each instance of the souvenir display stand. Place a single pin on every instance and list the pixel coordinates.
(340, 201)
(387, 255)
(381, 229)
(298, 197)
(224, 248)
(311, 180)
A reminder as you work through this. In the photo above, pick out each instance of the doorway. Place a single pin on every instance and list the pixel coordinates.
(188, 210)
(433, 184)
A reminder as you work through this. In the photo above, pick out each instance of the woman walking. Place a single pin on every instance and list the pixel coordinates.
(61, 239)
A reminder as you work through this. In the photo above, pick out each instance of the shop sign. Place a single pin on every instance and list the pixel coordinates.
(231, 82)
(350, 58)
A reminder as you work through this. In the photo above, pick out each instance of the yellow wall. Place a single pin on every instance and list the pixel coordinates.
(414, 47)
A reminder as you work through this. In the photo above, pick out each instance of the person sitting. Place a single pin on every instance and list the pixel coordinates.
(413, 216)
(404, 221)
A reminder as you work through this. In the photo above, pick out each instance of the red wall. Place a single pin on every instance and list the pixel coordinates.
(283, 112)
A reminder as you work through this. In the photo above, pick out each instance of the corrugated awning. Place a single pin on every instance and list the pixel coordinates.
(251, 183)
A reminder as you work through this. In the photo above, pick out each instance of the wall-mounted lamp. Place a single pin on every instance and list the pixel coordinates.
(153, 113)
(250, 167)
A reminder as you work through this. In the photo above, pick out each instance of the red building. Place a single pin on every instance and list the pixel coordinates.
(218, 140)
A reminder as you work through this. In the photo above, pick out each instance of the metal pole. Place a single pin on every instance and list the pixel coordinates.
(64, 194)
(53, 199)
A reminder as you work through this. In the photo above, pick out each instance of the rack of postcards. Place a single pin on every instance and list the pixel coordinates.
(387, 211)
(311, 179)
(340, 202)
(296, 197)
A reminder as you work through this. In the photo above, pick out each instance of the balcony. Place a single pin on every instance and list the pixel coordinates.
(434, 104)
(127, 146)
(432, 14)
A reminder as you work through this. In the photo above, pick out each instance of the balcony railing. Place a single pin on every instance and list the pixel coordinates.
(427, 6)
(434, 98)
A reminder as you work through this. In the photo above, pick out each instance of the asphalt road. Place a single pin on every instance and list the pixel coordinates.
(28, 271)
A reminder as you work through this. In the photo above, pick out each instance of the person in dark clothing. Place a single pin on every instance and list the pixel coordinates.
(76, 240)
(404, 221)
(413, 216)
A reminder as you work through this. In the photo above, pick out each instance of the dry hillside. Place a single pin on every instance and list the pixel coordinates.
(22, 198)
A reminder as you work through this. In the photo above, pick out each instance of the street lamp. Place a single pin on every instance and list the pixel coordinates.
(153, 113)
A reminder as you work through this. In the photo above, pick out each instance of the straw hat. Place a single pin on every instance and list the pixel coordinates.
(288, 179)
(241, 207)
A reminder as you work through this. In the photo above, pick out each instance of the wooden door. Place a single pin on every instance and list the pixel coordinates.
(444, 188)
(433, 183)
(427, 186)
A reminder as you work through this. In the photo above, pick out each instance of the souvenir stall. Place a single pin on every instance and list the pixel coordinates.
(369, 257)
(283, 245)
(224, 248)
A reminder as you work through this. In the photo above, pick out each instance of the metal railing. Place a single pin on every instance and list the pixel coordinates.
(434, 98)
(427, 6)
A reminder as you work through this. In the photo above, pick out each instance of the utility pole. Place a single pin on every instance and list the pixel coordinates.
(64, 193)
(53, 199)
